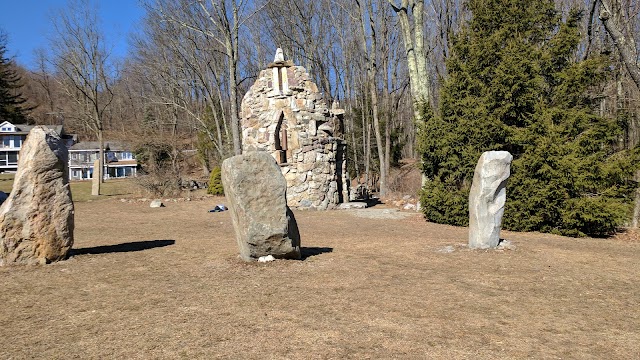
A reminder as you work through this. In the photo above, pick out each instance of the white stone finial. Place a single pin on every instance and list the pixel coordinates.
(279, 55)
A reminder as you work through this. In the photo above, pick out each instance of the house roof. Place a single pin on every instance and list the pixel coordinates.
(24, 128)
(94, 145)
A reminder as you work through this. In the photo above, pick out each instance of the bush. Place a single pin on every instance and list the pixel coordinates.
(158, 173)
(215, 182)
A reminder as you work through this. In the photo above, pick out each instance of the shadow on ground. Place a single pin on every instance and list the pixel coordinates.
(306, 252)
(124, 247)
(371, 202)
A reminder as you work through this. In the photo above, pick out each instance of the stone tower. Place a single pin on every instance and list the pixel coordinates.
(284, 114)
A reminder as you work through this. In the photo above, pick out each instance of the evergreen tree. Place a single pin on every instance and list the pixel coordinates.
(215, 182)
(12, 104)
(514, 85)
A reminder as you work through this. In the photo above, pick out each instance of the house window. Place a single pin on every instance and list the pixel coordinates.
(13, 158)
(6, 141)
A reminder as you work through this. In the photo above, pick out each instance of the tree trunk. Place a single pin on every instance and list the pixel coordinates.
(419, 78)
(635, 220)
(611, 17)
(415, 52)
(373, 91)
(233, 83)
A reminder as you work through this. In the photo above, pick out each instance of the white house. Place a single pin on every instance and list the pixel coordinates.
(11, 139)
(119, 162)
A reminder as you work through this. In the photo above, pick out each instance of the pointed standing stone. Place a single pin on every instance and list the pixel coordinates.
(256, 194)
(95, 179)
(487, 198)
(36, 220)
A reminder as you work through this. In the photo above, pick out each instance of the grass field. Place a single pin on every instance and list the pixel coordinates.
(81, 190)
(167, 284)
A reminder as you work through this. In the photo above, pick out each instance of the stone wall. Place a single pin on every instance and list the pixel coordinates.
(284, 114)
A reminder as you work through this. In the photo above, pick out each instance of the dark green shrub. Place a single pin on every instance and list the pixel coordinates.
(215, 182)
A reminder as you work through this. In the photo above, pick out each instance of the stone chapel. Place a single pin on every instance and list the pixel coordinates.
(284, 114)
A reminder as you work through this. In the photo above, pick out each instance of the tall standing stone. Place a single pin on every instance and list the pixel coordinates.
(36, 220)
(256, 194)
(95, 178)
(487, 198)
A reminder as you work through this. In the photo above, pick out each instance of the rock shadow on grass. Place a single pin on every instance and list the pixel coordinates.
(120, 248)
(307, 252)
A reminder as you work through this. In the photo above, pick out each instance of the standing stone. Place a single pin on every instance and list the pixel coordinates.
(95, 178)
(487, 197)
(36, 220)
(256, 192)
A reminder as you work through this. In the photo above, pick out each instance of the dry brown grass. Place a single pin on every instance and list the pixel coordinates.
(384, 291)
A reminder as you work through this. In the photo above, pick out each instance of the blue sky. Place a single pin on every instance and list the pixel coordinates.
(28, 24)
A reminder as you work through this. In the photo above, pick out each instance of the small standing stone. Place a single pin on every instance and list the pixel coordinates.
(36, 220)
(156, 203)
(487, 198)
(95, 178)
(256, 195)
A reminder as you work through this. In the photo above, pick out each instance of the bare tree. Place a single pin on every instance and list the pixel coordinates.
(412, 15)
(80, 58)
(617, 17)
(219, 21)
(617, 21)
(186, 73)
(369, 43)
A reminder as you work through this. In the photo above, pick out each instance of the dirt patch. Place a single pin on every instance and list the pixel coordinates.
(167, 283)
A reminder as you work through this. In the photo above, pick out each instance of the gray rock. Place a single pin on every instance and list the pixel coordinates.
(487, 198)
(447, 249)
(36, 220)
(256, 195)
(267, 258)
(156, 203)
(409, 207)
(506, 245)
(353, 205)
